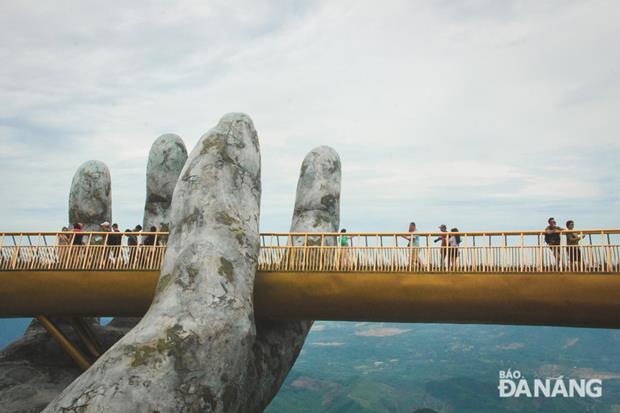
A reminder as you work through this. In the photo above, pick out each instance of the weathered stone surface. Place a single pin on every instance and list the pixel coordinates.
(90, 198)
(34, 369)
(166, 160)
(191, 350)
(197, 348)
(277, 345)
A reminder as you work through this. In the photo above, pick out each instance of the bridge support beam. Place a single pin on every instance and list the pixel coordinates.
(77, 356)
(87, 336)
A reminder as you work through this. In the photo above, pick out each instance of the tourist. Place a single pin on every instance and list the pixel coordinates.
(149, 241)
(114, 241)
(412, 237)
(444, 243)
(104, 241)
(572, 245)
(78, 242)
(64, 240)
(133, 244)
(343, 243)
(453, 243)
(133, 240)
(78, 238)
(163, 238)
(552, 238)
(414, 242)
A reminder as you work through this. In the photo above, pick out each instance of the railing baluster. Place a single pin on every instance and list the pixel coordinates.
(374, 252)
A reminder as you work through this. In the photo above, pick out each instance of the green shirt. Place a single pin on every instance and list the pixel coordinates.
(572, 238)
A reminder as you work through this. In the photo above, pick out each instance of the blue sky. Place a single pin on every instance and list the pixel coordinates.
(478, 114)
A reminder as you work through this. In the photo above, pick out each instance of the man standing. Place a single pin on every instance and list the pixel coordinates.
(133, 246)
(114, 241)
(552, 238)
(444, 243)
(104, 240)
(149, 241)
(572, 244)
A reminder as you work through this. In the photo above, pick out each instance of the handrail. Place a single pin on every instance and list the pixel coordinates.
(510, 251)
(437, 233)
(360, 233)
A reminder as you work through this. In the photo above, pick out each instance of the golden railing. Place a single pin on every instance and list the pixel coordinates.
(94, 251)
(525, 251)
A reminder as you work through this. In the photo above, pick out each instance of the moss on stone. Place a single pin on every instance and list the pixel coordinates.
(225, 219)
(164, 282)
(226, 269)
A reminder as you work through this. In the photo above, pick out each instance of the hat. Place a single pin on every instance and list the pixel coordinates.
(105, 224)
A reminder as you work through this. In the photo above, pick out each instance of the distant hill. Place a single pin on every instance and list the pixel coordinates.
(431, 368)
(351, 368)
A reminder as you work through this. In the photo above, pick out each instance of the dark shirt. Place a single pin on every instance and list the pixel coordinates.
(554, 237)
(77, 239)
(132, 240)
(115, 238)
(149, 240)
(572, 238)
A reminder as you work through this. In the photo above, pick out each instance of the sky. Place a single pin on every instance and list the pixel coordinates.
(484, 115)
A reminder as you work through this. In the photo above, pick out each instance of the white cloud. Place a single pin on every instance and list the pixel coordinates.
(328, 343)
(382, 332)
(475, 101)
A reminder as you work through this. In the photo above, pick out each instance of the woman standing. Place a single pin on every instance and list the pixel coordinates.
(413, 244)
(64, 240)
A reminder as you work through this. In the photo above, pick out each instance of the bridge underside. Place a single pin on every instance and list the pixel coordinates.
(560, 299)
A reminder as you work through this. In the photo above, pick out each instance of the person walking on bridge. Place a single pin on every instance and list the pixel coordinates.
(444, 243)
(413, 245)
(77, 238)
(133, 245)
(64, 240)
(552, 239)
(453, 245)
(114, 241)
(148, 244)
(104, 242)
(343, 243)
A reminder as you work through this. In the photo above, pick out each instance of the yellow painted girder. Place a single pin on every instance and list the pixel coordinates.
(563, 299)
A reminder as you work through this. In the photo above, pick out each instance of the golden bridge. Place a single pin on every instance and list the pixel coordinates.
(490, 277)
